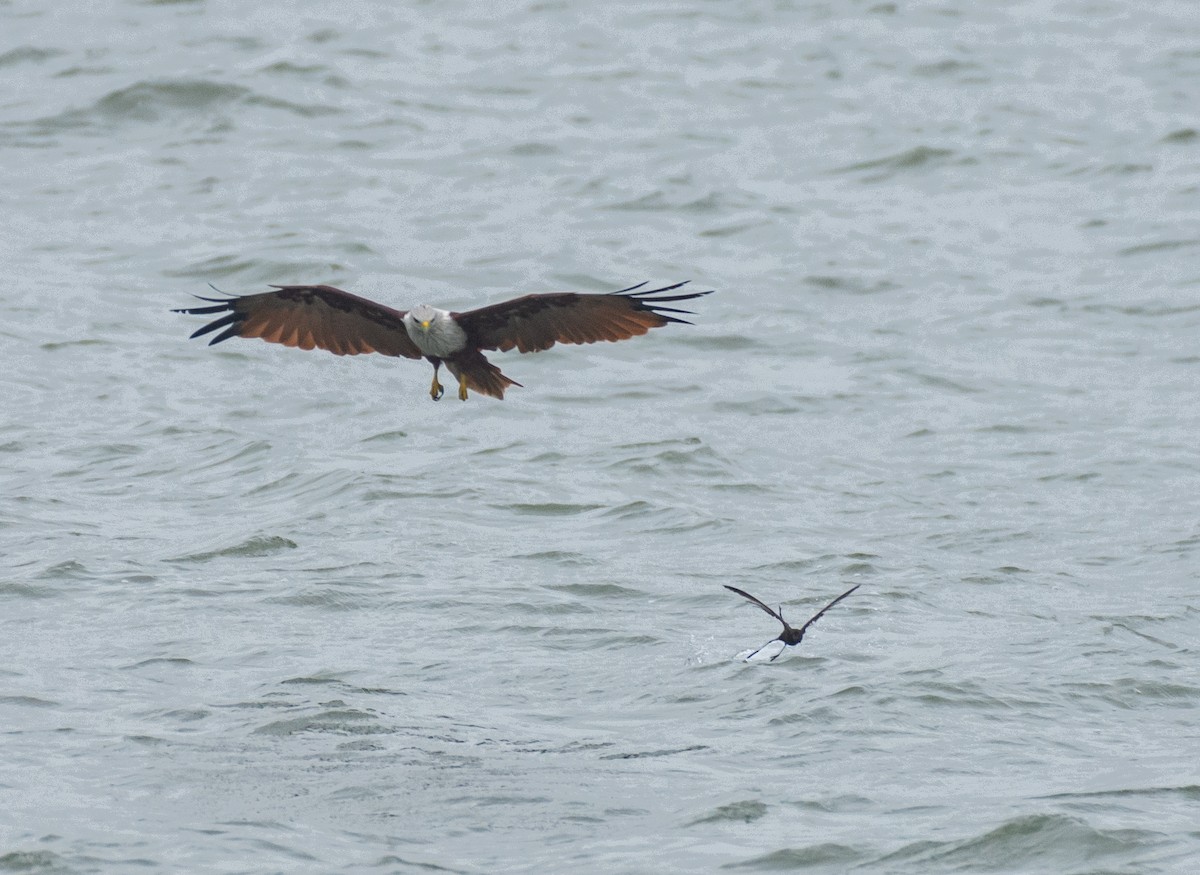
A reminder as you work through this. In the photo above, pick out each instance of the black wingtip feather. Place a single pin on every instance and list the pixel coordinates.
(228, 319)
(201, 311)
(651, 298)
(231, 331)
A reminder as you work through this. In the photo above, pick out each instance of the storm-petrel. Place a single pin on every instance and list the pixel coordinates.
(790, 635)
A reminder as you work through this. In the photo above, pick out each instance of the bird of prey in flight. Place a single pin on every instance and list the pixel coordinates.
(322, 317)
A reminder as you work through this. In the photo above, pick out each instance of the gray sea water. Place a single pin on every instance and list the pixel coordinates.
(271, 611)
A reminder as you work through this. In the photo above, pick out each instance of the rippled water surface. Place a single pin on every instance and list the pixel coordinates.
(271, 611)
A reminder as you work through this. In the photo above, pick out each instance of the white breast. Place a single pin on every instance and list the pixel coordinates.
(444, 336)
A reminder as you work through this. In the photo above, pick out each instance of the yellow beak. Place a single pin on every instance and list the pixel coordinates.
(425, 325)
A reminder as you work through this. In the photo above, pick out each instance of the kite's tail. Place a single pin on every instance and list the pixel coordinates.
(482, 376)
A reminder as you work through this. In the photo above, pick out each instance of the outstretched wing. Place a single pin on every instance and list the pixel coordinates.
(770, 611)
(817, 616)
(536, 322)
(310, 317)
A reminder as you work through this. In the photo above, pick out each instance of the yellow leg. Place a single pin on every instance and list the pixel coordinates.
(437, 389)
(462, 387)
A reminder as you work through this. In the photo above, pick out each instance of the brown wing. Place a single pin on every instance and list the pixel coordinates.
(537, 322)
(310, 317)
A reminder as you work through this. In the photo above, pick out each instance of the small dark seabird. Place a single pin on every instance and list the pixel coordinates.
(771, 650)
(322, 317)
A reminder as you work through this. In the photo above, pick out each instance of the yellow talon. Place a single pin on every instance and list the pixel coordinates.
(462, 388)
(437, 389)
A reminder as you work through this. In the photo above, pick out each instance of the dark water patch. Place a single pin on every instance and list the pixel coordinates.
(104, 452)
(187, 715)
(290, 68)
(1045, 302)
(341, 721)
(256, 269)
(733, 229)
(723, 342)
(303, 110)
(1004, 428)
(1132, 693)
(791, 565)
(198, 100)
(394, 863)
(507, 799)
(68, 570)
(596, 590)
(26, 590)
(327, 598)
(1072, 477)
(320, 680)
(918, 158)
(149, 101)
(746, 811)
(1037, 842)
(1159, 246)
(452, 492)
(85, 70)
(318, 487)
(29, 702)
(1126, 168)
(813, 856)
(146, 740)
(659, 519)
(987, 579)
(570, 747)
(162, 660)
(970, 695)
(601, 639)
(843, 803)
(499, 450)
(250, 450)
(852, 285)
(1142, 635)
(671, 463)
(533, 150)
(549, 508)
(659, 201)
(1188, 792)
(742, 488)
(761, 405)
(1146, 309)
(654, 754)
(35, 862)
(937, 381)
(259, 705)
(1182, 136)
(948, 67)
(564, 558)
(666, 444)
(28, 55)
(258, 546)
(393, 436)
